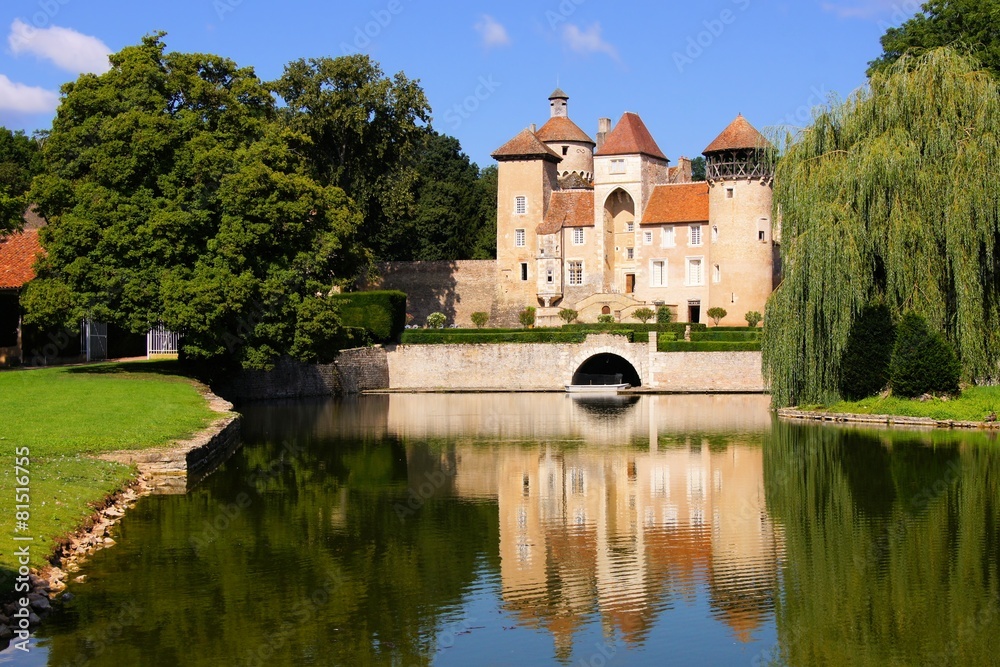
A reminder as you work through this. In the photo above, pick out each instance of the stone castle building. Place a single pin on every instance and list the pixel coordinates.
(608, 226)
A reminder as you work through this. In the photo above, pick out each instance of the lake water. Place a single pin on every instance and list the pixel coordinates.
(546, 530)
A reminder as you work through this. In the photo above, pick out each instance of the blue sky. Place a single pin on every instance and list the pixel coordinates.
(488, 67)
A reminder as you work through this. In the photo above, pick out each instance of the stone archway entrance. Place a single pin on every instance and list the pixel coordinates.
(608, 369)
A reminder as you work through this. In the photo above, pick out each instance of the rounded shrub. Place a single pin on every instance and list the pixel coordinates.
(663, 315)
(923, 362)
(864, 365)
(436, 320)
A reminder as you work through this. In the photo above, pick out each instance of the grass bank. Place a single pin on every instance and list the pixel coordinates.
(62, 415)
(974, 405)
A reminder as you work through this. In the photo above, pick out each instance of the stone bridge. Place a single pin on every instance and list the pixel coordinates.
(552, 366)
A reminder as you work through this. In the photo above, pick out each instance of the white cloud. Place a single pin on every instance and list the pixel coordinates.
(20, 98)
(588, 41)
(492, 32)
(66, 48)
(870, 9)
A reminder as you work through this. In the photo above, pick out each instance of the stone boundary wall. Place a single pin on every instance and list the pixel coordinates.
(362, 369)
(884, 421)
(354, 371)
(549, 367)
(178, 467)
(455, 288)
(716, 372)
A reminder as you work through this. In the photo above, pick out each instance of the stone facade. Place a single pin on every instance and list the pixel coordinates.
(649, 237)
(456, 289)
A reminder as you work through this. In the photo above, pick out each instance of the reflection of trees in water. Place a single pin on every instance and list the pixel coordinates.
(891, 546)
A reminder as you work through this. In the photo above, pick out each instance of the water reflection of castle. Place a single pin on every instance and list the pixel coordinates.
(624, 532)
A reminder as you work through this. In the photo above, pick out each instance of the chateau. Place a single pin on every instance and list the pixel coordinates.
(608, 226)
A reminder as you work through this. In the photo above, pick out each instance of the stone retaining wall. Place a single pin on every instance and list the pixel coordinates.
(178, 467)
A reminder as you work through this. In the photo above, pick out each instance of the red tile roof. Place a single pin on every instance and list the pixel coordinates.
(525, 145)
(684, 202)
(560, 128)
(631, 137)
(740, 134)
(18, 253)
(573, 208)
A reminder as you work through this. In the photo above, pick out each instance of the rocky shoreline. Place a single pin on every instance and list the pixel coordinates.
(891, 421)
(157, 470)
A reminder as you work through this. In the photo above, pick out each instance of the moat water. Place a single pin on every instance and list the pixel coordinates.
(546, 530)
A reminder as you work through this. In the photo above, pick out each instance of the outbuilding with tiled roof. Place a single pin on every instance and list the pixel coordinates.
(681, 203)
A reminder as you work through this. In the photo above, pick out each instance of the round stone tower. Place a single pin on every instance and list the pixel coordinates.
(742, 255)
(567, 140)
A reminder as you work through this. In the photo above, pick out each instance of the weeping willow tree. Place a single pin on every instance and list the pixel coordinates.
(891, 197)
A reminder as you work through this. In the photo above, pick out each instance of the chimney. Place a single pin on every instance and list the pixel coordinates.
(533, 128)
(683, 174)
(603, 129)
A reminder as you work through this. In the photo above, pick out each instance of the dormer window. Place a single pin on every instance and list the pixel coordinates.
(618, 166)
(520, 205)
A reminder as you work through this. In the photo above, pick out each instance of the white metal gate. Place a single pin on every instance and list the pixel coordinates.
(160, 341)
(94, 340)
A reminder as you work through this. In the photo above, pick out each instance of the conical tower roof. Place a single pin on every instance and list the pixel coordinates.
(631, 137)
(558, 94)
(561, 128)
(739, 135)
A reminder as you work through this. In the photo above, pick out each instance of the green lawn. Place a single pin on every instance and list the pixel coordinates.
(974, 404)
(62, 414)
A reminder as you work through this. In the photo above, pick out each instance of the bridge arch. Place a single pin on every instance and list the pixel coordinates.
(606, 360)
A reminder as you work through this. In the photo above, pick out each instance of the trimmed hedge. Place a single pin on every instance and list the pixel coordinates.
(706, 346)
(864, 364)
(725, 336)
(383, 314)
(455, 337)
(923, 362)
(676, 327)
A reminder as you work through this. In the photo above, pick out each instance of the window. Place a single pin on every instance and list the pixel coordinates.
(549, 278)
(565, 150)
(520, 205)
(658, 273)
(618, 166)
(647, 238)
(524, 271)
(578, 236)
(717, 274)
(694, 276)
(715, 233)
(762, 235)
(695, 235)
(630, 253)
(730, 193)
(667, 238)
(630, 227)
(576, 273)
(519, 238)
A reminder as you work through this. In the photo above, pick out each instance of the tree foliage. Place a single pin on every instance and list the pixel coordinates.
(363, 131)
(644, 314)
(20, 162)
(447, 220)
(716, 313)
(753, 318)
(698, 167)
(973, 25)
(480, 318)
(922, 361)
(864, 366)
(174, 196)
(664, 315)
(890, 197)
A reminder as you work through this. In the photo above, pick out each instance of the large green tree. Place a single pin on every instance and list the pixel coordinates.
(364, 131)
(890, 198)
(20, 162)
(972, 24)
(447, 219)
(174, 195)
